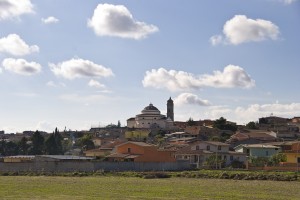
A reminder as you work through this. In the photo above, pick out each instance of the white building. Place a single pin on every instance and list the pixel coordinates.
(151, 117)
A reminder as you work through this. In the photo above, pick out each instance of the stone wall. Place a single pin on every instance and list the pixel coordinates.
(90, 166)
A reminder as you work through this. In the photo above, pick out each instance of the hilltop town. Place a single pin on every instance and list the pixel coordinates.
(153, 139)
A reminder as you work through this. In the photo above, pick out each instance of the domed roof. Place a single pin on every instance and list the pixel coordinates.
(150, 107)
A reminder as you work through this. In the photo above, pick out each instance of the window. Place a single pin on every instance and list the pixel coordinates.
(231, 158)
(219, 148)
(225, 157)
(197, 147)
(129, 150)
(267, 153)
(207, 147)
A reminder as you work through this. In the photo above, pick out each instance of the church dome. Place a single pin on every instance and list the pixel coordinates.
(150, 107)
(150, 110)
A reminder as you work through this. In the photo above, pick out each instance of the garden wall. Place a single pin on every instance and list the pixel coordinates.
(90, 166)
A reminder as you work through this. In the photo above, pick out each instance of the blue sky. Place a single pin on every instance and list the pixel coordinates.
(77, 64)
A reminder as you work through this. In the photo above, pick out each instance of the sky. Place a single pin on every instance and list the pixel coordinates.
(79, 64)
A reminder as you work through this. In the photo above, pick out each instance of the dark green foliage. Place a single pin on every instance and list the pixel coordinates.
(53, 144)
(37, 147)
(23, 146)
(86, 142)
(191, 122)
(8, 148)
(277, 158)
(222, 124)
(251, 125)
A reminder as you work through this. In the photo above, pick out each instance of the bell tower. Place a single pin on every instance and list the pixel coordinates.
(170, 109)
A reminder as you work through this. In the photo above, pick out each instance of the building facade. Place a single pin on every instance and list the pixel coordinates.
(151, 117)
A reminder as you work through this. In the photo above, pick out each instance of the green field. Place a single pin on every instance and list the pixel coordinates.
(113, 187)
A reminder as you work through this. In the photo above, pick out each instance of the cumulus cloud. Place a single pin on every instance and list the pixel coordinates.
(96, 84)
(78, 68)
(253, 112)
(188, 98)
(45, 126)
(116, 20)
(50, 20)
(232, 76)
(10, 9)
(14, 45)
(21, 66)
(241, 29)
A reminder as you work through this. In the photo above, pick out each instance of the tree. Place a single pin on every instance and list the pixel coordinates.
(53, 145)
(8, 148)
(86, 142)
(37, 144)
(277, 158)
(119, 124)
(222, 124)
(215, 162)
(251, 125)
(23, 146)
(191, 122)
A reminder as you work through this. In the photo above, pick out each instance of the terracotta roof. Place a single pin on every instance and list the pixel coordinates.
(120, 155)
(216, 143)
(137, 143)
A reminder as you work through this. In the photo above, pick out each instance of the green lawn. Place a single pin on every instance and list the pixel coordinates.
(113, 187)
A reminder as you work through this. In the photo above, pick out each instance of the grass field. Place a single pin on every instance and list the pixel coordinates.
(112, 187)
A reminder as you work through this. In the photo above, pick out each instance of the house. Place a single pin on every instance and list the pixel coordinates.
(199, 152)
(258, 150)
(293, 155)
(140, 152)
(105, 149)
(248, 136)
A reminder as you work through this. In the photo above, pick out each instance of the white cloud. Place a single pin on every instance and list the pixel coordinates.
(288, 2)
(50, 20)
(241, 29)
(116, 20)
(21, 66)
(216, 39)
(45, 126)
(188, 98)
(232, 76)
(10, 9)
(253, 112)
(14, 45)
(96, 84)
(78, 68)
(53, 84)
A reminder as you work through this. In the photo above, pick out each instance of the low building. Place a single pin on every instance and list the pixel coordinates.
(249, 136)
(140, 152)
(18, 159)
(199, 152)
(293, 155)
(258, 150)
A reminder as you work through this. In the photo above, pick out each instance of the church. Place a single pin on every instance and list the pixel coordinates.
(151, 117)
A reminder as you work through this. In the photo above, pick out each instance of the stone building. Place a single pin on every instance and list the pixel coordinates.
(151, 117)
